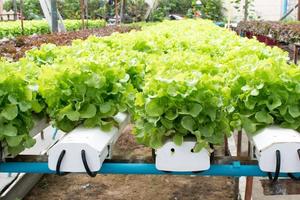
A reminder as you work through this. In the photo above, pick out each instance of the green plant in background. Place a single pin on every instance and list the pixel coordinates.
(135, 10)
(178, 6)
(211, 9)
(158, 14)
(93, 8)
(105, 10)
(69, 9)
(190, 13)
(166, 7)
(247, 8)
(31, 9)
(13, 28)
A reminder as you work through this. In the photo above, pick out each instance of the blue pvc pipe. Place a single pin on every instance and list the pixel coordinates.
(221, 24)
(285, 6)
(55, 130)
(235, 169)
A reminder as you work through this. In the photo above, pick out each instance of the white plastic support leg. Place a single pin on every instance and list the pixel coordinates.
(267, 141)
(96, 143)
(171, 157)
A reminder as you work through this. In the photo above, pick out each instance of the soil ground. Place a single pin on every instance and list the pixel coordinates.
(132, 187)
(15, 48)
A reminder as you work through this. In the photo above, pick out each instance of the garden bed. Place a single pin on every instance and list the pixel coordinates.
(16, 48)
(275, 31)
(280, 34)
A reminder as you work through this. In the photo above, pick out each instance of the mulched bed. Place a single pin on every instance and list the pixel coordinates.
(15, 48)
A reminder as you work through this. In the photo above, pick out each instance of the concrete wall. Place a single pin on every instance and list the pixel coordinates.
(269, 9)
(1, 6)
(263, 9)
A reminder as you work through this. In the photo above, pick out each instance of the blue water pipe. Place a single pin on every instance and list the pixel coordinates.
(285, 7)
(221, 24)
(234, 170)
(55, 130)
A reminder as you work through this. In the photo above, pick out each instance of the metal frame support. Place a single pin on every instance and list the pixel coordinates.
(249, 187)
(246, 6)
(21, 15)
(285, 7)
(82, 13)
(54, 16)
(116, 11)
(15, 8)
(289, 12)
(296, 53)
(1, 8)
(298, 15)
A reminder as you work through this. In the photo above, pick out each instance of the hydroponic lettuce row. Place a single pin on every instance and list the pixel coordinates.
(266, 94)
(179, 79)
(13, 28)
(179, 62)
(237, 73)
(19, 100)
(264, 88)
(88, 91)
(183, 97)
(93, 49)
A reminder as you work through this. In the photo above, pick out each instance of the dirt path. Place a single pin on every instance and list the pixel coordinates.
(133, 187)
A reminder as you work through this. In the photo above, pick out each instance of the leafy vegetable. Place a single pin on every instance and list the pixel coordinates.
(177, 79)
(181, 98)
(85, 91)
(275, 100)
(18, 100)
